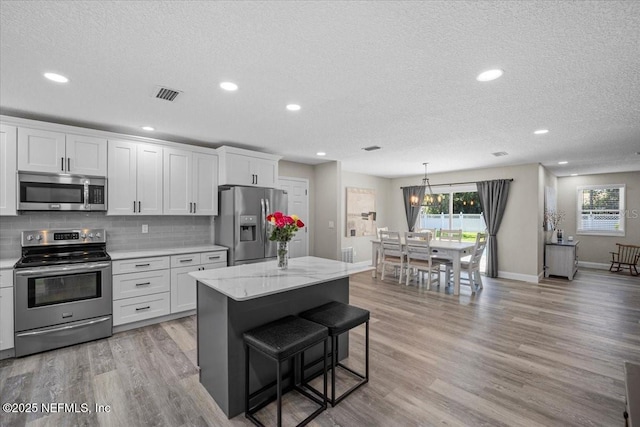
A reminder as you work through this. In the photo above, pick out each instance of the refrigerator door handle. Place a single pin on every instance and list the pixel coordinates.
(263, 221)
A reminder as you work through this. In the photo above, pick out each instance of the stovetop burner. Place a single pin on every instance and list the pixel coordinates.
(55, 247)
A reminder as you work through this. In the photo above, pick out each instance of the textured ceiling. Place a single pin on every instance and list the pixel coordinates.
(400, 75)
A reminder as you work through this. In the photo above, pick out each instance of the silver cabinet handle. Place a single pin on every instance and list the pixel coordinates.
(62, 164)
(143, 265)
(143, 308)
(190, 207)
(139, 206)
(143, 284)
(194, 207)
(214, 257)
(134, 206)
(68, 164)
(186, 260)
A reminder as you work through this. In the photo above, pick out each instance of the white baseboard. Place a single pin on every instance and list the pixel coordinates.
(153, 321)
(531, 278)
(596, 265)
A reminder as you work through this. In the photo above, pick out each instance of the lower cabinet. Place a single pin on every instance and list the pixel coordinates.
(145, 288)
(6, 318)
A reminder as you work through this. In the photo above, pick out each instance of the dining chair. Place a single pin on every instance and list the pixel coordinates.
(419, 258)
(391, 253)
(471, 267)
(450, 235)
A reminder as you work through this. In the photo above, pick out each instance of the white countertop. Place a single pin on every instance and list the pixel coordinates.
(144, 253)
(249, 281)
(7, 263)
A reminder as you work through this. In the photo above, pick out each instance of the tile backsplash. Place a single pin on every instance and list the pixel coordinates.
(123, 232)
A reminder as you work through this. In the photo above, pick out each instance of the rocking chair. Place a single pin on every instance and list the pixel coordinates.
(627, 255)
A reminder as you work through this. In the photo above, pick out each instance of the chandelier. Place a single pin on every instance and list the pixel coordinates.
(429, 199)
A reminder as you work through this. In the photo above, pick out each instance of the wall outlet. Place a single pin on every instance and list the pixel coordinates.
(332, 224)
(145, 228)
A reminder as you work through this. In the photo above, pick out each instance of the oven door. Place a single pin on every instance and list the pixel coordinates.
(48, 296)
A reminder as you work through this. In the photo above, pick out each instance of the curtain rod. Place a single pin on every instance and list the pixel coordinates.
(455, 183)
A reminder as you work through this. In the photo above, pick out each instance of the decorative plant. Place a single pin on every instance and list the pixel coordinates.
(553, 217)
(284, 226)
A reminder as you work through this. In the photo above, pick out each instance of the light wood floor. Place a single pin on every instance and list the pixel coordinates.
(516, 354)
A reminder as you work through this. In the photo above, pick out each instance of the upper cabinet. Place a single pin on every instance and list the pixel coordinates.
(251, 168)
(8, 147)
(56, 152)
(190, 182)
(134, 178)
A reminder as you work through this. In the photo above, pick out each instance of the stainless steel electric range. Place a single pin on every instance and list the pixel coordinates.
(63, 292)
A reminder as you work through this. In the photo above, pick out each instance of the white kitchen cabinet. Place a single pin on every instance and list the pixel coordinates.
(183, 286)
(244, 167)
(135, 178)
(8, 167)
(6, 309)
(146, 307)
(190, 183)
(55, 152)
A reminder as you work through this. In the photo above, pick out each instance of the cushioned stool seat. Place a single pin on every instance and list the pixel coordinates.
(340, 318)
(282, 340)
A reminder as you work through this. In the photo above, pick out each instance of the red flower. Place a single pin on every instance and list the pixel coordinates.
(299, 224)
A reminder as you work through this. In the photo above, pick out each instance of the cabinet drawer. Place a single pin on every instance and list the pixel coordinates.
(6, 278)
(139, 284)
(140, 264)
(140, 308)
(185, 260)
(216, 256)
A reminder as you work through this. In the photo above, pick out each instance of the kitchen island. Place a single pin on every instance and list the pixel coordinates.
(236, 299)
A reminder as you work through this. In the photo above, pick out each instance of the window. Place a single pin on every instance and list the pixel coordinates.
(600, 210)
(453, 208)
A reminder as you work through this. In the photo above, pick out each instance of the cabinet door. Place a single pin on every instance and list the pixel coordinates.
(205, 184)
(6, 318)
(86, 155)
(149, 188)
(121, 175)
(178, 191)
(183, 289)
(41, 151)
(266, 172)
(239, 170)
(8, 147)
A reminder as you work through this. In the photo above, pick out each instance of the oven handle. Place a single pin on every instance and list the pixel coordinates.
(63, 328)
(39, 271)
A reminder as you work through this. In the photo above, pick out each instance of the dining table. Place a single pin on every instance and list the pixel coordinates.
(455, 250)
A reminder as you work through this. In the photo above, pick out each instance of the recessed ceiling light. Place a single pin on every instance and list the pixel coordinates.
(293, 107)
(56, 77)
(564, 162)
(574, 174)
(541, 131)
(149, 128)
(229, 86)
(321, 153)
(489, 75)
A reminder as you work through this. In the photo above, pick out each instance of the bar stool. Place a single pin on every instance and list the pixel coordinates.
(281, 340)
(340, 318)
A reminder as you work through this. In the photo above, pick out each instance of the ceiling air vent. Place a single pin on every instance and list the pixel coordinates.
(372, 148)
(500, 153)
(165, 93)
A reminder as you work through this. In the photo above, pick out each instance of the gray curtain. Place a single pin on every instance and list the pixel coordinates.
(493, 199)
(412, 211)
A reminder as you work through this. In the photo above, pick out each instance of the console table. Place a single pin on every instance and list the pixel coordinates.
(561, 259)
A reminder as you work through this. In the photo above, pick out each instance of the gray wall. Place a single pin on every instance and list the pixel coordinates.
(595, 249)
(362, 245)
(327, 201)
(123, 232)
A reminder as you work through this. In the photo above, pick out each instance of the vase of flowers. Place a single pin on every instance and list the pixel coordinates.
(552, 220)
(283, 228)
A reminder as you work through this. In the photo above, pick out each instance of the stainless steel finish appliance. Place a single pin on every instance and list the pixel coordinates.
(242, 224)
(62, 289)
(61, 193)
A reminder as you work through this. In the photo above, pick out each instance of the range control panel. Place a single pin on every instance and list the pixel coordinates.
(63, 237)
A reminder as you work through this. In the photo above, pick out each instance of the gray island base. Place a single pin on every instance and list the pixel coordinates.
(236, 299)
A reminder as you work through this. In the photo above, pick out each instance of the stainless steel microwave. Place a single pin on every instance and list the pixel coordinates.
(61, 193)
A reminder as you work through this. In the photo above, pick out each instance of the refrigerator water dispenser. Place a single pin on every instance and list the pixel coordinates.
(248, 228)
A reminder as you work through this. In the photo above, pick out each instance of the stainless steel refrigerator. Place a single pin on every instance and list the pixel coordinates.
(242, 225)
